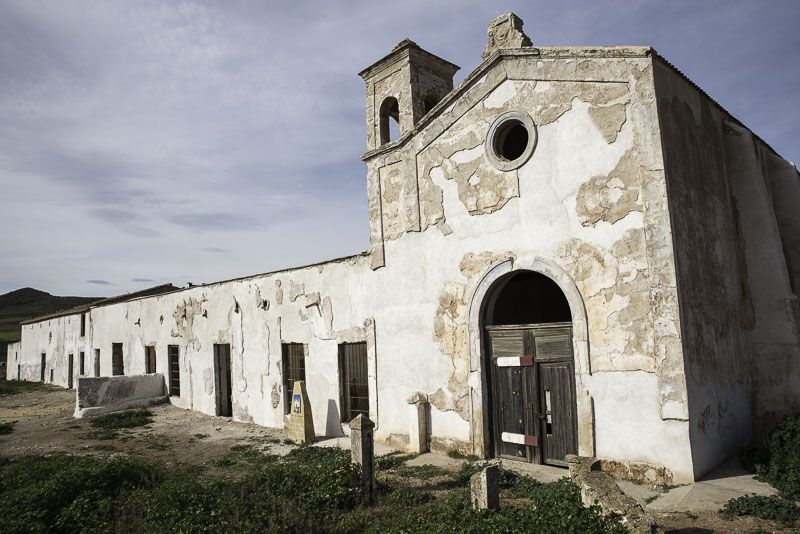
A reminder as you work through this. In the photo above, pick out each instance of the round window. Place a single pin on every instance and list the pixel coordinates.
(511, 140)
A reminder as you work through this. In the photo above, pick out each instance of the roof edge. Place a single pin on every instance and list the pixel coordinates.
(403, 48)
(76, 310)
(702, 91)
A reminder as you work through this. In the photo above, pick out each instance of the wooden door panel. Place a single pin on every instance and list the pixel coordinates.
(510, 410)
(222, 372)
(553, 347)
(512, 401)
(71, 365)
(557, 401)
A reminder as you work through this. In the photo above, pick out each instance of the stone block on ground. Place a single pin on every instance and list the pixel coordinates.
(485, 489)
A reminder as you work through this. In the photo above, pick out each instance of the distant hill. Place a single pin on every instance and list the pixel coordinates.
(27, 303)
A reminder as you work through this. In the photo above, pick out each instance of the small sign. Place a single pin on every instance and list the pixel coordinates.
(520, 439)
(296, 402)
(515, 361)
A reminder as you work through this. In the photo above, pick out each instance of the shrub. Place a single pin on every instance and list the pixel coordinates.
(312, 489)
(460, 478)
(67, 493)
(6, 428)
(409, 497)
(516, 485)
(126, 419)
(14, 387)
(782, 469)
(458, 455)
(392, 460)
(772, 507)
(424, 472)
(554, 508)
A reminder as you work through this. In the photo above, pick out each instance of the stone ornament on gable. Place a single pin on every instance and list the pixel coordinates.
(505, 31)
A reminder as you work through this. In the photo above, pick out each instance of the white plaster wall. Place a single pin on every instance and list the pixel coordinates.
(57, 338)
(14, 353)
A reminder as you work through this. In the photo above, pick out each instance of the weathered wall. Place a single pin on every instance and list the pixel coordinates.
(57, 338)
(591, 201)
(739, 335)
(319, 306)
(13, 355)
(99, 395)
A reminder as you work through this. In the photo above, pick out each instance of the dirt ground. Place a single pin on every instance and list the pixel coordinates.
(43, 424)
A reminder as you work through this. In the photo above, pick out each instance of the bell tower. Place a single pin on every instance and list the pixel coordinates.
(401, 88)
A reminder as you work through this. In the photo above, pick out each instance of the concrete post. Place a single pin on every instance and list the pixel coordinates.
(418, 423)
(485, 489)
(362, 450)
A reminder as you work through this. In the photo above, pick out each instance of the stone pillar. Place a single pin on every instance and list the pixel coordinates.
(300, 422)
(485, 489)
(362, 450)
(418, 423)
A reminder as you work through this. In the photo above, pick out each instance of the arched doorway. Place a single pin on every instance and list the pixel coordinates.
(527, 324)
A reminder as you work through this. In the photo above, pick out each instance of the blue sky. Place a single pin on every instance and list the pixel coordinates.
(150, 142)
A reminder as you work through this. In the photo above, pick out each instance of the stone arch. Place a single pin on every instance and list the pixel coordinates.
(389, 111)
(483, 293)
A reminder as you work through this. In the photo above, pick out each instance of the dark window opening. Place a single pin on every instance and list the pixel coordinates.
(354, 381)
(149, 360)
(70, 370)
(428, 103)
(82, 363)
(530, 298)
(96, 362)
(44, 363)
(83, 324)
(511, 140)
(390, 120)
(174, 371)
(51, 375)
(294, 369)
(117, 363)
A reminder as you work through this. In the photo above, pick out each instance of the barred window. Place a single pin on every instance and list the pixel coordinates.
(353, 377)
(294, 369)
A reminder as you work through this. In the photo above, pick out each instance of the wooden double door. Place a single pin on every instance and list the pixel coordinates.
(532, 392)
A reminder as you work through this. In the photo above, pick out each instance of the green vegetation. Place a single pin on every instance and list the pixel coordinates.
(393, 460)
(312, 489)
(772, 507)
(458, 455)
(778, 464)
(14, 387)
(106, 426)
(126, 419)
(6, 428)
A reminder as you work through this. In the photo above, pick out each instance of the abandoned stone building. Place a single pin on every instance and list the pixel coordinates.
(575, 250)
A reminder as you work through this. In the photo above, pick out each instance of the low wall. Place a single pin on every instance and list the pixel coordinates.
(104, 394)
